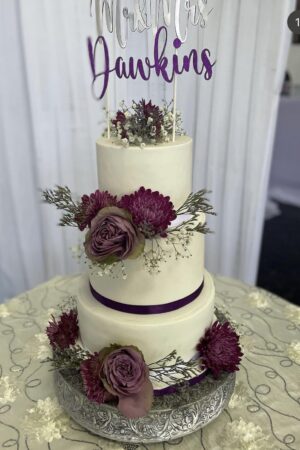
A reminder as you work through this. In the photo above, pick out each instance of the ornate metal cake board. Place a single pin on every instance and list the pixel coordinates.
(171, 417)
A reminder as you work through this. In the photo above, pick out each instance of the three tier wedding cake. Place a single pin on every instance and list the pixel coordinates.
(144, 321)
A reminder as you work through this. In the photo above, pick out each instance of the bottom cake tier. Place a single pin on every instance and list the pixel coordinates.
(156, 335)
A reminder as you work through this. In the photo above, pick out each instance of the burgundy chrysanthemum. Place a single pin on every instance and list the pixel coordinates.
(91, 205)
(219, 349)
(120, 117)
(93, 386)
(64, 332)
(151, 211)
(153, 111)
(149, 109)
(120, 120)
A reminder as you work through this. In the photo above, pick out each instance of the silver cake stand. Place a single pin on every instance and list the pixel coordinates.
(171, 417)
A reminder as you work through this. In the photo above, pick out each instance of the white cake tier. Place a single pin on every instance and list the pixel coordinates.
(166, 168)
(177, 278)
(156, 335)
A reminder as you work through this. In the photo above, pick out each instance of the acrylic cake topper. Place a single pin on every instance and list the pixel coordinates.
(146, 15)
(143, 16)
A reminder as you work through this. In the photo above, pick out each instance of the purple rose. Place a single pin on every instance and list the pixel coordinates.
(113, 237)
(125, 374)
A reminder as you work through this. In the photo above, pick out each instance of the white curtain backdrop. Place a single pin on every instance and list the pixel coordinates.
(49, 123)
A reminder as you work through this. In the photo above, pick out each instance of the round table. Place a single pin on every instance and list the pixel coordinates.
(264, 412)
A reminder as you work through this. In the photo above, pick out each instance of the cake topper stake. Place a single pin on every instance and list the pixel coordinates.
(175, 102)
(100, 32)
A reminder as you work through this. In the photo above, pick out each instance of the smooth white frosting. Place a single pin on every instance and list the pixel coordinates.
(166, 168)
(177, 278)
(155, 335)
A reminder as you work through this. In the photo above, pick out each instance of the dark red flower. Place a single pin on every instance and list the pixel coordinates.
(93, 386)
(64, 332)
(219, 349)
(120, 120)
(148, 110)
(151, 211)
(120, 117)
(91, 205)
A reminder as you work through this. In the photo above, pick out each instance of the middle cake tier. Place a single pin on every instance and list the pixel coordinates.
(156, 335)
(177, 278)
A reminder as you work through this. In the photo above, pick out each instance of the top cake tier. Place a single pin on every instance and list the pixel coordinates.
(166, 168)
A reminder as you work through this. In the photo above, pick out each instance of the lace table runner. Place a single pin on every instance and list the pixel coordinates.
(264, 412)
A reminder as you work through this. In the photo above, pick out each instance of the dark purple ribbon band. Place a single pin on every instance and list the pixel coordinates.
(173, 389)
(149, 309)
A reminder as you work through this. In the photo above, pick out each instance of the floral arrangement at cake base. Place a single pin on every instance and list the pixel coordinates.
(119, 373)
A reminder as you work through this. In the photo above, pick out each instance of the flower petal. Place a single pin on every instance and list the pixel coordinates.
(137, 405)
(139, 248)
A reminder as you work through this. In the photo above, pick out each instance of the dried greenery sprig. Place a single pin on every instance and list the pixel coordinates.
(61, 197)
(68, 359)
(194, 205)
(169, 370)
(178, 371)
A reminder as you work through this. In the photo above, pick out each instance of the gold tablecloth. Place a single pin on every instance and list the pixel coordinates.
(264, 412)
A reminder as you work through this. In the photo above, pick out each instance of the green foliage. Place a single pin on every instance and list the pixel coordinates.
(61, 197)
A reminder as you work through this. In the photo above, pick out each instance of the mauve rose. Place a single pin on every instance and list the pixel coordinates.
(125, 374)
(113, 237)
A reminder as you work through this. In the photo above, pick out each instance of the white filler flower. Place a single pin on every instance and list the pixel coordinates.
(292, 312)
(243, 435)
(293, 351)
(8, 391)
(259, 299)
(46, 421)
(239, 397)
(4, 311)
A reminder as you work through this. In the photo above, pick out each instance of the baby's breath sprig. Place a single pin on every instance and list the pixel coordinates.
(68, 303)
(174, 245)
(61, 197)
(115, 270)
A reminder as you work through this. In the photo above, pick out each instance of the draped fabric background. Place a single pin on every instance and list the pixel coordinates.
(49, 123)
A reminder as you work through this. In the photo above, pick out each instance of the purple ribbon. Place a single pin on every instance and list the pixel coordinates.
(173, 389)
(148, 309)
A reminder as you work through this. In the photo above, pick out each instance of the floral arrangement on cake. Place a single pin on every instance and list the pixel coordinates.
(118, 229)
(119, 374)
(145, 123)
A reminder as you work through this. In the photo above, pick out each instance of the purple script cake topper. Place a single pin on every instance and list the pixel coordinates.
(142, 16)
(160, 65)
